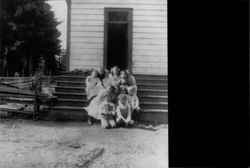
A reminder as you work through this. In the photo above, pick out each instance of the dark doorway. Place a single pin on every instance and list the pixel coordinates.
(117, 45)
(118, 38)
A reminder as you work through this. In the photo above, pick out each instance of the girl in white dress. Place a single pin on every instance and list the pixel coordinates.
(92, 108)
(93, 84)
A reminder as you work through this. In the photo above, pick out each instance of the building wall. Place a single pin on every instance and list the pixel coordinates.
(149, 48)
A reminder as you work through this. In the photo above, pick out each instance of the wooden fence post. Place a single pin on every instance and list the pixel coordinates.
(35, 104)
(37, 89)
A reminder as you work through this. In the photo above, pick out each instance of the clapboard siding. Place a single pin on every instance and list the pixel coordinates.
(110, 5)
(89, 17)
(86, 45)
(151, 71)
(162, 53)
(86, 34)
(79, 62)
(150, 47)
(149, 30)
(119, 2)
(143, 35)
(87, 39)
(87, 22)
(86, 56)
(86, 28)
(86, 53)
(150, 58)
(149, 24)
(138, 35)
(85, 61)
(99, 11)
(101, 23)
(149, 43)
(85, 66)
(87, 11)
(149, 64)
(135, 29)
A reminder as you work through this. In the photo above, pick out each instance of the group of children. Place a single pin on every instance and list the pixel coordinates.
(113, 98)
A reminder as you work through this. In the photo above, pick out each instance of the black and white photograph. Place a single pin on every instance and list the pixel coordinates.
(84, 84)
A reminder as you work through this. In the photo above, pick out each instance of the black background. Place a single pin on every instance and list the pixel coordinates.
(208, 83)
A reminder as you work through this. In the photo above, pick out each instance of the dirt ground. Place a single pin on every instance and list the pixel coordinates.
(50, 144)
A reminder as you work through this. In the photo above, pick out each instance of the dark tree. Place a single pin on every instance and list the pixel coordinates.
(35, 33)
(7, 37)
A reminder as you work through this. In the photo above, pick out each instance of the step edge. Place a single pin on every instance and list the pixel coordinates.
(152, 90)
(83, 82)
(153, 111)
(141, 96)
(73, 100)
(82, 109)
(137, 78)
(138, 84)
(153, 96)
(70, 87)
(67, 107)
(69, 93)
(75, 87)
(155, 103)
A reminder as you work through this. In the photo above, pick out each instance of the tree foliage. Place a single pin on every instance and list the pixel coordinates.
(30, 33)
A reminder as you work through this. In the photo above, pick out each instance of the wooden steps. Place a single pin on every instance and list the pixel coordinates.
(71, 83)
(152, 93)
(71, 78)
(155, 115)
(82, 84)
(154, 105)
(147, 80)
(70, 89)
(153, 98)
(66, 95)
(72, 102)
(152, 85)
(155, 92)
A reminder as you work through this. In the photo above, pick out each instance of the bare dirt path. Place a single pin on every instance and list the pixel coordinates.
(40, 144)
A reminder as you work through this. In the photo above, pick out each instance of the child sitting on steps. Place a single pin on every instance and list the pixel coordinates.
(93, 84)
(134, 103)
(124, 83)
(131, 78)
(107, 112)
(123, 112)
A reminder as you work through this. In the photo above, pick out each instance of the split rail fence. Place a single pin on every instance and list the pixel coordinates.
(26, 91)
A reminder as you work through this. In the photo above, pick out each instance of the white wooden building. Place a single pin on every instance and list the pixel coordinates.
(127, 33)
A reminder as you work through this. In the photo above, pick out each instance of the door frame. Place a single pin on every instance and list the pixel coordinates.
(130, 37)
(67, 57)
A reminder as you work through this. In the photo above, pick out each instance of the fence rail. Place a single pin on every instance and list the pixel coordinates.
(24, 82)
(25, 90)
